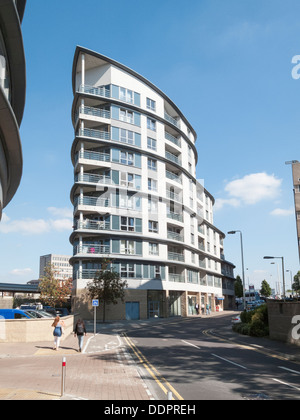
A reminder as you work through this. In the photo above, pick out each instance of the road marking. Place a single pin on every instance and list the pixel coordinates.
(229, 361)
(151, 369)
(290, 370)
(190, 344)
(284, 383)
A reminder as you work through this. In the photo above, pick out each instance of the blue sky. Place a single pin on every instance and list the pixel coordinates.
(226, 64)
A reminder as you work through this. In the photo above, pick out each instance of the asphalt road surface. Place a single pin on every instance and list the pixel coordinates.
(182, 357)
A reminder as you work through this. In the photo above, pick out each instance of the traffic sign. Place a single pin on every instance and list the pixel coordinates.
(95, 302)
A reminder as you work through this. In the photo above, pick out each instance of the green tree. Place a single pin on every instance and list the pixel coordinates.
(265, 289)
(107, 286)
(296, 284)
(238, 287)
(53, 291)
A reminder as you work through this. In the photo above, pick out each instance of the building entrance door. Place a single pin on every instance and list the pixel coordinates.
(153, 309)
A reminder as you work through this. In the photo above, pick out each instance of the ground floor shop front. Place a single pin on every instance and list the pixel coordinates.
(144, 304)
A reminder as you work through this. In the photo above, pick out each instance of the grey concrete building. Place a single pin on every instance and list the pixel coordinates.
(12, 97)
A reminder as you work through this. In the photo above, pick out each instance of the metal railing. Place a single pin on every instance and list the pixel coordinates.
(173, 176)
(95, 134)
(175, 216)
(94, 112)
(92, 201)
(91, 249)
(175, 256)
(173, 139)
(177, 278)
(93, 225)
(175, 236)
(98, 91)
(102, 157)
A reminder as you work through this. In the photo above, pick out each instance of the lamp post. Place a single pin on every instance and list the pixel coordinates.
(283, 279)
(291, 281)
(232, 232)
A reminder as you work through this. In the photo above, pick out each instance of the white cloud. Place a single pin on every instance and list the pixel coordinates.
(21, 271)
(29, 226)
(251, 189)
(282, 212)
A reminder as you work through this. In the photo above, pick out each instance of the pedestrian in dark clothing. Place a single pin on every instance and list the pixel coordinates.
(197, 308)
(80, 331)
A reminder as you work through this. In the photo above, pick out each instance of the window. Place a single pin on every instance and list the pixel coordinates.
(127, 158)
(152, 164)
(151, 104)
(126, 116)
(127, 270)
(127, 180)
(152, 205)
(127, 247)
(151, 124)
(153, 226)
(152, 184)
(153, 249)
(157, 272)
(126, 136)
(151, 143)
(126, 95)
(127, 223)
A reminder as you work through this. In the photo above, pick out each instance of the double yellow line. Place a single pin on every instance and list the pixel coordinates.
(159, 379)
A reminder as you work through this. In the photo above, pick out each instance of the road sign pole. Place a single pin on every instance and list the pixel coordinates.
(95, 316)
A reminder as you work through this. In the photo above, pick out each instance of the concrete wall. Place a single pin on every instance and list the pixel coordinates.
(280, 321)
(32, 330)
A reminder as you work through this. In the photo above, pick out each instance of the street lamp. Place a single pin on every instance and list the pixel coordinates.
(291, 281)
(232, 232)
(283, 279)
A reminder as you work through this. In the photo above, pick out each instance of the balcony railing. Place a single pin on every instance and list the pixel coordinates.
(98, 91)
(93, 225)
(175, 256)
(173, 196)
(91, 249)
(92, 201)
(172, 120)
(173, 176)
(95, 134)
(175, 236)
(173, 139)
(89, 155)
(173, 158)
(177, 278)
(175, 216)
(94, 112)
(93, 178)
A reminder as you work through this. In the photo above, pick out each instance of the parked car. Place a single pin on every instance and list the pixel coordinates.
(236, 319)
(62, 312)
(14, 314)
(50, 310)
(38, 314)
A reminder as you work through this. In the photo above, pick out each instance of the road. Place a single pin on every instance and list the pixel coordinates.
(184, 357)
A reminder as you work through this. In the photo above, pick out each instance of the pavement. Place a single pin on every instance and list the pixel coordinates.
(104, 370)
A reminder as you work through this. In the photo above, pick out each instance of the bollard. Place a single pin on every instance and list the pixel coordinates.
(170, 396)
(63, 376)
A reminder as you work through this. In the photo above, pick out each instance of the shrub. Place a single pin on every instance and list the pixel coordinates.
(254, 323)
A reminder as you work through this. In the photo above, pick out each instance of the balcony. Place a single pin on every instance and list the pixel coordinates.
(93, 225)
(173, 196)
(173, 139)
(94, 112)
(175, 256)
(173, 176)
(97, 156)
(175, 216)
(93, 179)
(175, 236)
(101, 91)
(91, 249)
(172, 120)
(173, 158)
(177, 278)
(95, 134)
(91, 201)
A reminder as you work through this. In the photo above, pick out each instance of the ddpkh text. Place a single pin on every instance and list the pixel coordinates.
(172, 409)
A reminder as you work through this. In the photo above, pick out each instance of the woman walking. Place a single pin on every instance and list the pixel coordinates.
(80, 331)
(57, 332)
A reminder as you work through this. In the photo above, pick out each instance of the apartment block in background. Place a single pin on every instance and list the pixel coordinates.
(60, 263)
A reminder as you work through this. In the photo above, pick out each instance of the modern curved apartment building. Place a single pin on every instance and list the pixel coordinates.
(12, 97)
(136, 198)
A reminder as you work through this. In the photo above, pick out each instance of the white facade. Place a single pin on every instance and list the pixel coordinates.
(136, 198)
(60, 263)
